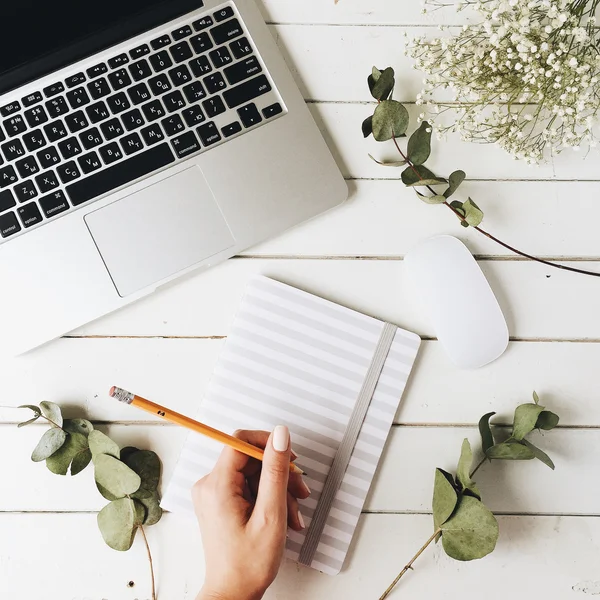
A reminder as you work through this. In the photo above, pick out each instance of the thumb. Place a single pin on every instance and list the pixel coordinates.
(271, 501)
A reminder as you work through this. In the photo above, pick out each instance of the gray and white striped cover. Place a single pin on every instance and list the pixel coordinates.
(296, 359)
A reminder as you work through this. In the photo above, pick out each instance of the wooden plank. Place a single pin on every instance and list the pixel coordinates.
(77, 373)
(547, 557)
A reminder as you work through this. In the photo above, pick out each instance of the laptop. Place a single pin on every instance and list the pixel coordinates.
(141, 140)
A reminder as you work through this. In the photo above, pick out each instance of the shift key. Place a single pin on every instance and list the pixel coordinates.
(247, 91)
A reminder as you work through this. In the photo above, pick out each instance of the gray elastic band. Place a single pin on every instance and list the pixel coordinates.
(344, 453)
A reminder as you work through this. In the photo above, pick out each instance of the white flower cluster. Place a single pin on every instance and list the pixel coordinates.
(526, 76)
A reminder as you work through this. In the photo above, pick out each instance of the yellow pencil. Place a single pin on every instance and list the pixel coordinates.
(179, 419)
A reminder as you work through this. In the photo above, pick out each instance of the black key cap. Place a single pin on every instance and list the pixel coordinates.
(91, 138)
(97, 112)
(202, 23)
(76, 122)
(78, 97)
(231, 129)
(112, 129)
(249, 115)
(180, 75)
(132, 119)
(68, 172)
(110, 153)
(140, 70)
(139, 51)
(27, 166)
(75, 80)
(160, 42)
(247, 91)
(194, 92)
(34, 140)
(47, 181)
(223, 14)
(120, 174)
(173, 125)
(152, 134)
(118, 103)
(55, 131)
(9, 109)
(214, 106)
(153, 110)
(13, 150)
(182, 32)
(97, 70)
(9, 224)
(119, 79)
(201, 43)
(242, 70)
(2, 138)
(69, 148)
(25, 190)
(241, 48)
(139, 93)
(57, 107)
(227, 31)
(161, 61)
(55, 88)
(89, 162)
(99, 88)
(214, 83)
(193, 115)
(7, 200)
(200, 66)
(15, 125)
(272, 110)
(118, 61)
(48, 158)
(220, 57)
(8, 176)
(185, 144)
(131, 143)
(173, 101)
(209, 134)
(54, 204)
(160, 84)
(30, 214)
(181, 52)
(32, 99)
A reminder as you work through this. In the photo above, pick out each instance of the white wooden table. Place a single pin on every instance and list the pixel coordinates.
(166, 346)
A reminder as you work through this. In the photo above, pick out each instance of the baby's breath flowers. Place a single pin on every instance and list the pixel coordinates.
(525, 77)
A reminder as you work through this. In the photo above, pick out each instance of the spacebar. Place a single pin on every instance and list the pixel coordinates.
(120, 174)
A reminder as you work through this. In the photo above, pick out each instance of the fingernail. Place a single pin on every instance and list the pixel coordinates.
(301, 520)
(281, 438)
(307, 489)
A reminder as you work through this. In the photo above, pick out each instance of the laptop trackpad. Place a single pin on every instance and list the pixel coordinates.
(159, 231)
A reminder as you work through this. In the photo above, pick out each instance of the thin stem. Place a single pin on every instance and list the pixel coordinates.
(409, 565)
(478, 466)
(150, 560)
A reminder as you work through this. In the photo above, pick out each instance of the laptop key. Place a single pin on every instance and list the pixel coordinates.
(120, 174)
(48, 158)
(241, 48)
(55, 88)
(242, 70)
(185, 144)
(220, 57)
(47, 181)
(97, 112)
(160, 42)
(27, 166)
(13, 150)
(25, 191)
(112, 129)
(119, 79)
(139, 93)
(8, 176)
(89, 162)
(30, 214)
(68, 172)
(74, 80)
(15, 125)
(32, 99)
(272, 110)
(200, 66)
(9, 224)
(98, 88)
(70, 148)
(152, 134)
(253, 88)
(214, 106)
(132, 119)
(202, 23)
(7, 200)
(208, 133)
(57, 107)
(223, 14)
(131, 143)
(140, 70)
(97, 70)
(161, 61)
(173, 101)
(91, 138)
(153, 110)
(110, 153)
(36, 116)
(9, 109)
(118, 61)
(118, 103)
(173, 125)
(34, 140)
(139, 51)
(193, 115)
(231, 129)
(214, 83)
(54, 204)
(76, 121)
(182, 32)
(194, 92)
(226, 32)
(160, 84)
(55, 131)
(181, 52)
(201, 43)
(78, 97)
(249, 115)
(180, 75)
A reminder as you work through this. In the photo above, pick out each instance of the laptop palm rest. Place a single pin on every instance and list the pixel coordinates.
(159, 231)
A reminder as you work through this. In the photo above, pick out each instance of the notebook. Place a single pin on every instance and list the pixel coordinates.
(334, 376)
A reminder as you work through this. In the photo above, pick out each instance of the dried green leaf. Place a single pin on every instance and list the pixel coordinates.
(25, 423)
(151, 502)
(367, 126)
(391, 163)
(473, 214)
(389, 120)
(74, 453)
(526, 416)
(539, 454)
(36, 409)
(102, 444)
(115, 476)
(454, 181)
(445, 498)
(52, 412)
(381, 83)
(510, 451)
(51, 441)
(463, 472)
(82, 426)
(419, 176)
(472, 531)
(106, 493)
(127, 451)
(547, 420)
(419, 144)
(147, 465)
(430, 199)
(118, 523)
(487, 439)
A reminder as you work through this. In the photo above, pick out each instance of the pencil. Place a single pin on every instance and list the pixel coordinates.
(179, 419)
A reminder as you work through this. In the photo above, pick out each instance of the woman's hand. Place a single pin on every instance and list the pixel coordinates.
(244, 508)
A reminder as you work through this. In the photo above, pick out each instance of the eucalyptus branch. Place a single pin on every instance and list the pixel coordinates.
(150, 561)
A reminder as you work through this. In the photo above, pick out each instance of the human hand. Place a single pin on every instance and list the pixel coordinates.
(244, 508)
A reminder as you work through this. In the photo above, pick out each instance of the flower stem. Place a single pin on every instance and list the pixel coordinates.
(409, 565)
(478, 466)
(150, 560)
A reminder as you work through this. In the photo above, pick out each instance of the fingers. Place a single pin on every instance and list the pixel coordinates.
(297, 486)
(232, 461)
(295, 519)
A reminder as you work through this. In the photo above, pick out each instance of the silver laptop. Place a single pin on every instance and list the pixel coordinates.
(141, 140)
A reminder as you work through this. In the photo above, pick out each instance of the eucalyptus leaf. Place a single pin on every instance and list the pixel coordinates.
(419, 144)
(36, 409)
(147, 465)
(367, 126)
(389, 120)
(463, 472)
(525, 419)
(430, 199)
(487, 439)
(510, 451)
(151, 503)
(458, 207)
(102, 444)
(82, 426)
(445, 498)
(391, 163)
(547, 420)
(105, 493)
(74, 453)
(127, 451)
(52, 412)
(539, 454)
(420, 176)
(25, 423)
(115, 476)
(381, 83)
(454, 181)
(51, 441)
(118, 523)
(473, 214)
(471, 532)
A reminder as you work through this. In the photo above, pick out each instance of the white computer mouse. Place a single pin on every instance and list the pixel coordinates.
(458, 300)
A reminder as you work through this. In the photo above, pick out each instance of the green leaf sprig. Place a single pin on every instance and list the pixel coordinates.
(128, 478)
(390, 121)
(467, 528)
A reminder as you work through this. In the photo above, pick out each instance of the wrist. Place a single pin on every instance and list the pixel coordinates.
(212, 594)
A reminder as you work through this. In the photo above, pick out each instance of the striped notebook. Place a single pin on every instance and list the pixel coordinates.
(334, 376)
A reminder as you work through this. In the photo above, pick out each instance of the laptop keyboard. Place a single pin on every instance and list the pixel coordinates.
(159, 103)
